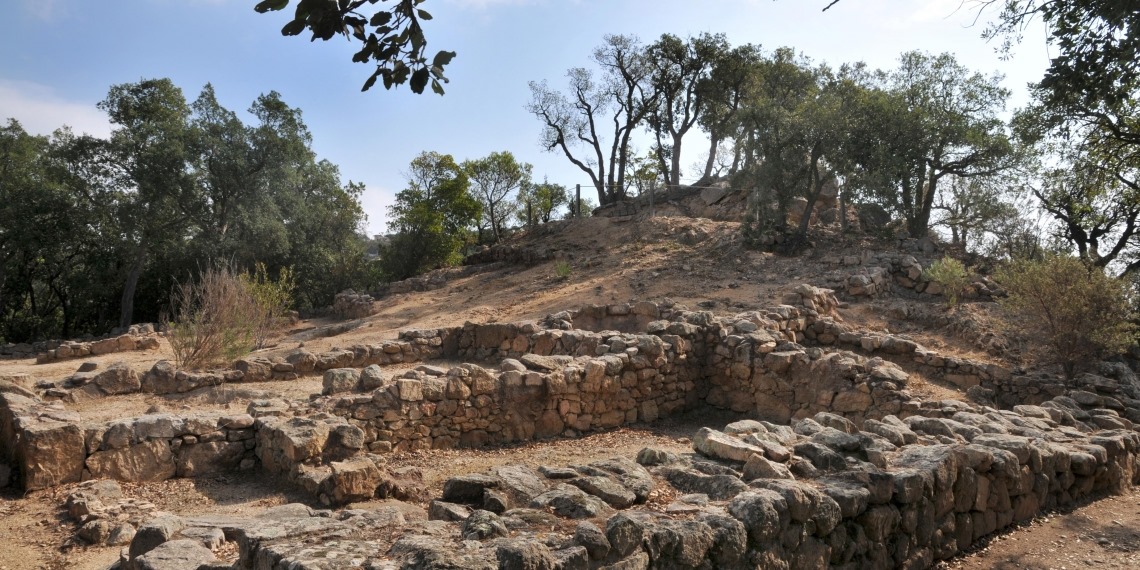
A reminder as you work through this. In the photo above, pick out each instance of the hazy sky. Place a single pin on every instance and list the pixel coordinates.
(61, 56)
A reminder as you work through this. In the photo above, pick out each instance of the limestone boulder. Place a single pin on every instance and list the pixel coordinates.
(118, 378)
(176, 555)
(340, 380)
(718, 445)
(283, 443)
(570, 502)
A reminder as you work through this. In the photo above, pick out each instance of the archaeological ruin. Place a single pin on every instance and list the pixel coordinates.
(838, 465)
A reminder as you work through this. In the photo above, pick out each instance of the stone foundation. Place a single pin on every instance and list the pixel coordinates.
(868, 476)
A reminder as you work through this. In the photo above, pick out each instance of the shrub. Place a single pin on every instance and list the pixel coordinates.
(952, 276)
(272, 299)
(562, 270)
(213, 320)
(1077, 313)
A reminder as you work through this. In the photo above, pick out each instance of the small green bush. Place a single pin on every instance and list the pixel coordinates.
(952, 276)
(562, 269)
(272, 299)
(1076, 314)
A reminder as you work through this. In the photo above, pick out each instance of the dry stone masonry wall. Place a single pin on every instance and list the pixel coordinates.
(847, 469)
(137, 337)
(818, 494)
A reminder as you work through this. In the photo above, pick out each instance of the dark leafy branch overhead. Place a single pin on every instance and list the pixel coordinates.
(392, 38)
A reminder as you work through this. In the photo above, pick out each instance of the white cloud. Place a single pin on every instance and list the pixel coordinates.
(43, 9)
(40, 110)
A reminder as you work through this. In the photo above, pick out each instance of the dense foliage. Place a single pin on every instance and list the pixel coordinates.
(96, 232)
(1073, 311)
(431, 219)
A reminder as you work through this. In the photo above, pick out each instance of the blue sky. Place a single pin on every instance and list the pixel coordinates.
(61, 56)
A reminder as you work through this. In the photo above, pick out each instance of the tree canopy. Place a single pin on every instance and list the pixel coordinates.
(94, 232)
(432, 217)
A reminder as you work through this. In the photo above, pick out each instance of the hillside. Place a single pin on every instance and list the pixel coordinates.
(869, 338)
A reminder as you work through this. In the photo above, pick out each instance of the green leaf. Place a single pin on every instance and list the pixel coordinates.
(419, 80)
(371, 81)
(423, 14)
(443, 58)
(293, 28)
(268, 5)
(436, 87)
(380, 18)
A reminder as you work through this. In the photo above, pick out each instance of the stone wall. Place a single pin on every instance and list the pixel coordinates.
(818, 494)
(637, 378)
(137, 337)
(49, 445)
(880, 272)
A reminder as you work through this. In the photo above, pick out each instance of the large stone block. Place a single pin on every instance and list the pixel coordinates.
(146, 462)
(50, 453)
(283, 443)
(118, 379)
(717, 445)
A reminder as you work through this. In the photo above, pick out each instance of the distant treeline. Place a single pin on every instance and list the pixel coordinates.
(94, 233)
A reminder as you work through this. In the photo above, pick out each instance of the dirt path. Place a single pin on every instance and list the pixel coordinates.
(1102, 534)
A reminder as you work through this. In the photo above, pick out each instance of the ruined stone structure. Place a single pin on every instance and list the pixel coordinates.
(847, 468)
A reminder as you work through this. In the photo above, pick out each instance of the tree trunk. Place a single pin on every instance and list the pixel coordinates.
(675, 163)
(844, 224)
(815, 185)
(922, 221)
(714, 144)
(127, 311)
(494, 224)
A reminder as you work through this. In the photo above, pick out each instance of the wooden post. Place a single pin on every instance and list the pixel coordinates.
(578, 202)
(529, 214)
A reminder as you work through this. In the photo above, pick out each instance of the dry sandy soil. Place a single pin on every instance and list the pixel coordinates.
(696, 262)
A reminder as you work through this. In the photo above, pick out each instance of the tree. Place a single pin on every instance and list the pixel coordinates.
(48, 240)
(776, 152)
(724, 94)
(540, 201)
(396, 42)
(1094, 72)
(583, 209)
(1092, 191)
(971, 208)
(431, 218)
(493, 179)
(930, 118)
(576, 120)
(679, 72)
(155, 196)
